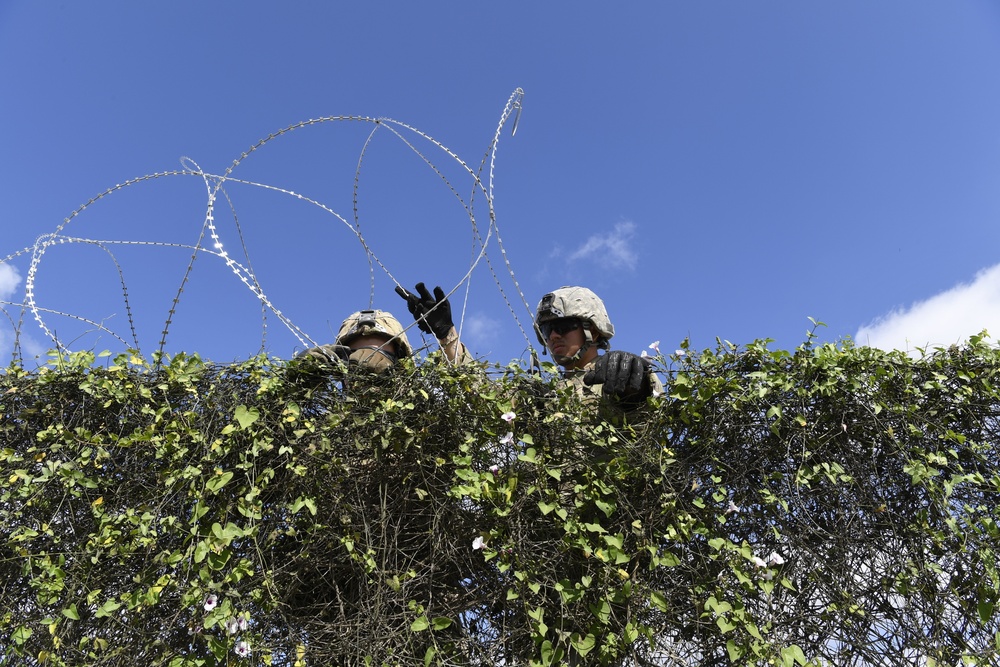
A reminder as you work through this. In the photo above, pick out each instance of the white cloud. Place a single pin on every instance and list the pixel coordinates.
(479, 331)
(610, 251)
(9, 280)
(943, 319)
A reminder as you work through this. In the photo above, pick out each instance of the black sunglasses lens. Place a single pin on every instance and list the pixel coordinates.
(561, 327)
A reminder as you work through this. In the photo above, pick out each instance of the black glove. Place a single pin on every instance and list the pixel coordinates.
(625, 376)
(432, 313)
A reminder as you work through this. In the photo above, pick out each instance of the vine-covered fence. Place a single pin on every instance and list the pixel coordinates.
(832, 505)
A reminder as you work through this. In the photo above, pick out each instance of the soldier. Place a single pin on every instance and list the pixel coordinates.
(573, 324)
(373, 339)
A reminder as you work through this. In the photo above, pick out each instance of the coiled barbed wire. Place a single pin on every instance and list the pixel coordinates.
(212, 243)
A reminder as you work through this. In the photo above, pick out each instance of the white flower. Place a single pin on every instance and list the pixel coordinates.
(733, 508)
(211, 601)
(655, 345)
(680, 353)
(507, 439)
(494, 468)
(768, 575)
(243, 648)
(232, 625)
(243, 623)
(759, 562)
(643, 354)
(478, 543)
(508, 417)
(775, 559)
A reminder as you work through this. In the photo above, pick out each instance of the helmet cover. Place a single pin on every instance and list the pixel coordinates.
(578, 302)
(367, 322)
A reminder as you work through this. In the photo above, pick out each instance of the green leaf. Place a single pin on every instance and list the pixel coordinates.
(420, 624)
(985, 609)
(602, 611)
(584, 645)
(246, 417)
(550, 655)
(724, 624)
(792, 654)
(107, 609)
(631, 633)
(21, 635)
(219, 481)
(441, 622)
(71, 613)
(529, 456)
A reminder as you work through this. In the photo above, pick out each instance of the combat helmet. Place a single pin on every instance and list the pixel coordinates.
(577, 302)
(366, 322)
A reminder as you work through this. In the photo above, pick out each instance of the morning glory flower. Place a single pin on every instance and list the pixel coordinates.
(507, 439)
(643, 354)
(478, 543)
(243, 623)
(655, 345)
(775, 559)
(759, 562)
(211, 601)
(508, 417)
(733, 508)
(680, 353)
(232, 626)
(243, 648)
(494, 468)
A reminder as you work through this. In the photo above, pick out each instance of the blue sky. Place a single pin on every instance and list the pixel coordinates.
(713, 170)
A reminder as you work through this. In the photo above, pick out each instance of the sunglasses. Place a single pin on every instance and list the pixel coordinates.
(561, 326)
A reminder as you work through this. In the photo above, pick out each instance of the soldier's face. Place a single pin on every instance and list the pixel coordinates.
(374, 340)
(367, 351)
(564, 341)
(567, 343)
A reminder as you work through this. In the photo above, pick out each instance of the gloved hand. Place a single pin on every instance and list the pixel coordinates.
(432, 313)
(333, 355)
(311, 368)
(625, 376)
